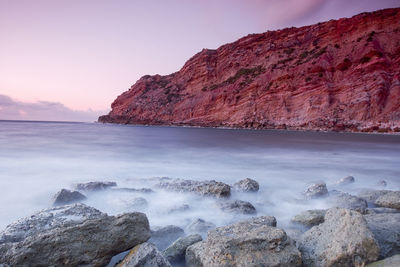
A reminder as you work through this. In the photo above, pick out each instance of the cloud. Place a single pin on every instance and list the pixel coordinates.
(11, 109)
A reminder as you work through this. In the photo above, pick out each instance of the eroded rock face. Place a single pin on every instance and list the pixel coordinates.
(70, 236)
(206, 188)
(372, 195)
(309, 218)
(247, 243)
(343, 239)
(386, 230)
(144, 255)
(340, 75)
(247, 185)
(65, 197)
(389, 200)
(347, 201)
(176, 251)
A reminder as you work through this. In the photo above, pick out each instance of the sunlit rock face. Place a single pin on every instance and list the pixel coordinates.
(339, 75)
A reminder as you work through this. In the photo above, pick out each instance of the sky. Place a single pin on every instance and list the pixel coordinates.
(68, 60)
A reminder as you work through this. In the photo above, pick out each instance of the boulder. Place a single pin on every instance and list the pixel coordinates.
(65, 197)
(389, 200)
(165, 236)
(199, 226)
(309, 218)
(316, 191)
(70, 236)
(237, 206)
(343, 239)
(347, 201)
(386, 230)
(247, 243)
(372, 195)
(247, 185)
(144, 255)
(346, 180)
(205, 188)
(393, 261)
(176, 251)
(95, 186)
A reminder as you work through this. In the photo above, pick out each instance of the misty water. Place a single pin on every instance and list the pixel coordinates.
(37, 159)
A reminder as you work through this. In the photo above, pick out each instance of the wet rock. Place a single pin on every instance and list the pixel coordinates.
(244, 244)
(386, 230)
(200, 226)
(144, 255)
(393, 261)
(389, 200)
(165, 236)
(71, 235)
(237, 206)
(309, 218)
(381, 210)
(371, 195)
(95, 186)
(179, 208)
(247, 185)
(316, 191)
(133, 190)
(206, 188)
(176, 251)
(348, 201)
(65, 197)
(343, 239)
(346, 180)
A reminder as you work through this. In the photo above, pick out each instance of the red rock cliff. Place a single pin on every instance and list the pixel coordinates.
(338, 75)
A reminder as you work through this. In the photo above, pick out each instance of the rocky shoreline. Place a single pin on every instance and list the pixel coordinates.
(355, 230)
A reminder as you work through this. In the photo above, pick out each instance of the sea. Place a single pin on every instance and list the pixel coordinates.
(37, 159)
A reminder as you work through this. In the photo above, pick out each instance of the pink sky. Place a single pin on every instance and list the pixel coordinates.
(83, 54)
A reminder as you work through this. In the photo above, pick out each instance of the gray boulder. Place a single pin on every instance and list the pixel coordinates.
(316, 191)
(389, 200)
(343, 239)
(94, 186)
(309, 218)
(386, 230)
(71, 235)
(165, 236)
(247, 185)
(237, 206)
(247, 243)
(65, 197)
(372, 195)
(199, 226)
(393, 261)
(205, 188)
(347, 201)
(346, 180)
(176, 251)
(144, 255)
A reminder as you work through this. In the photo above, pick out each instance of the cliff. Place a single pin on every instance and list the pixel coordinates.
(341, 75)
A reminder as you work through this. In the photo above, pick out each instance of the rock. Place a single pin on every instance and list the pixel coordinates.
(139, 202)
(382, 183)
(316, 191)
(381, 210)
(343, 239)
(179, 208)
(244, 244)
(309, 218)
(261, 220)
(301, 78)
(206, 188)
(176, 251)
(165, 236)
(389, 200)
(247, 185)
(371, 195)
(144, 255)
(94, 186)
(386, 230)
(65, 197)
(346, 180)
(348, 201)
(393, 261)
(237, 206)
(71, 235)
(199, 226)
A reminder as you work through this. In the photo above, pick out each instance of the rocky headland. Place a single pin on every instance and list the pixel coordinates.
(340, 75)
